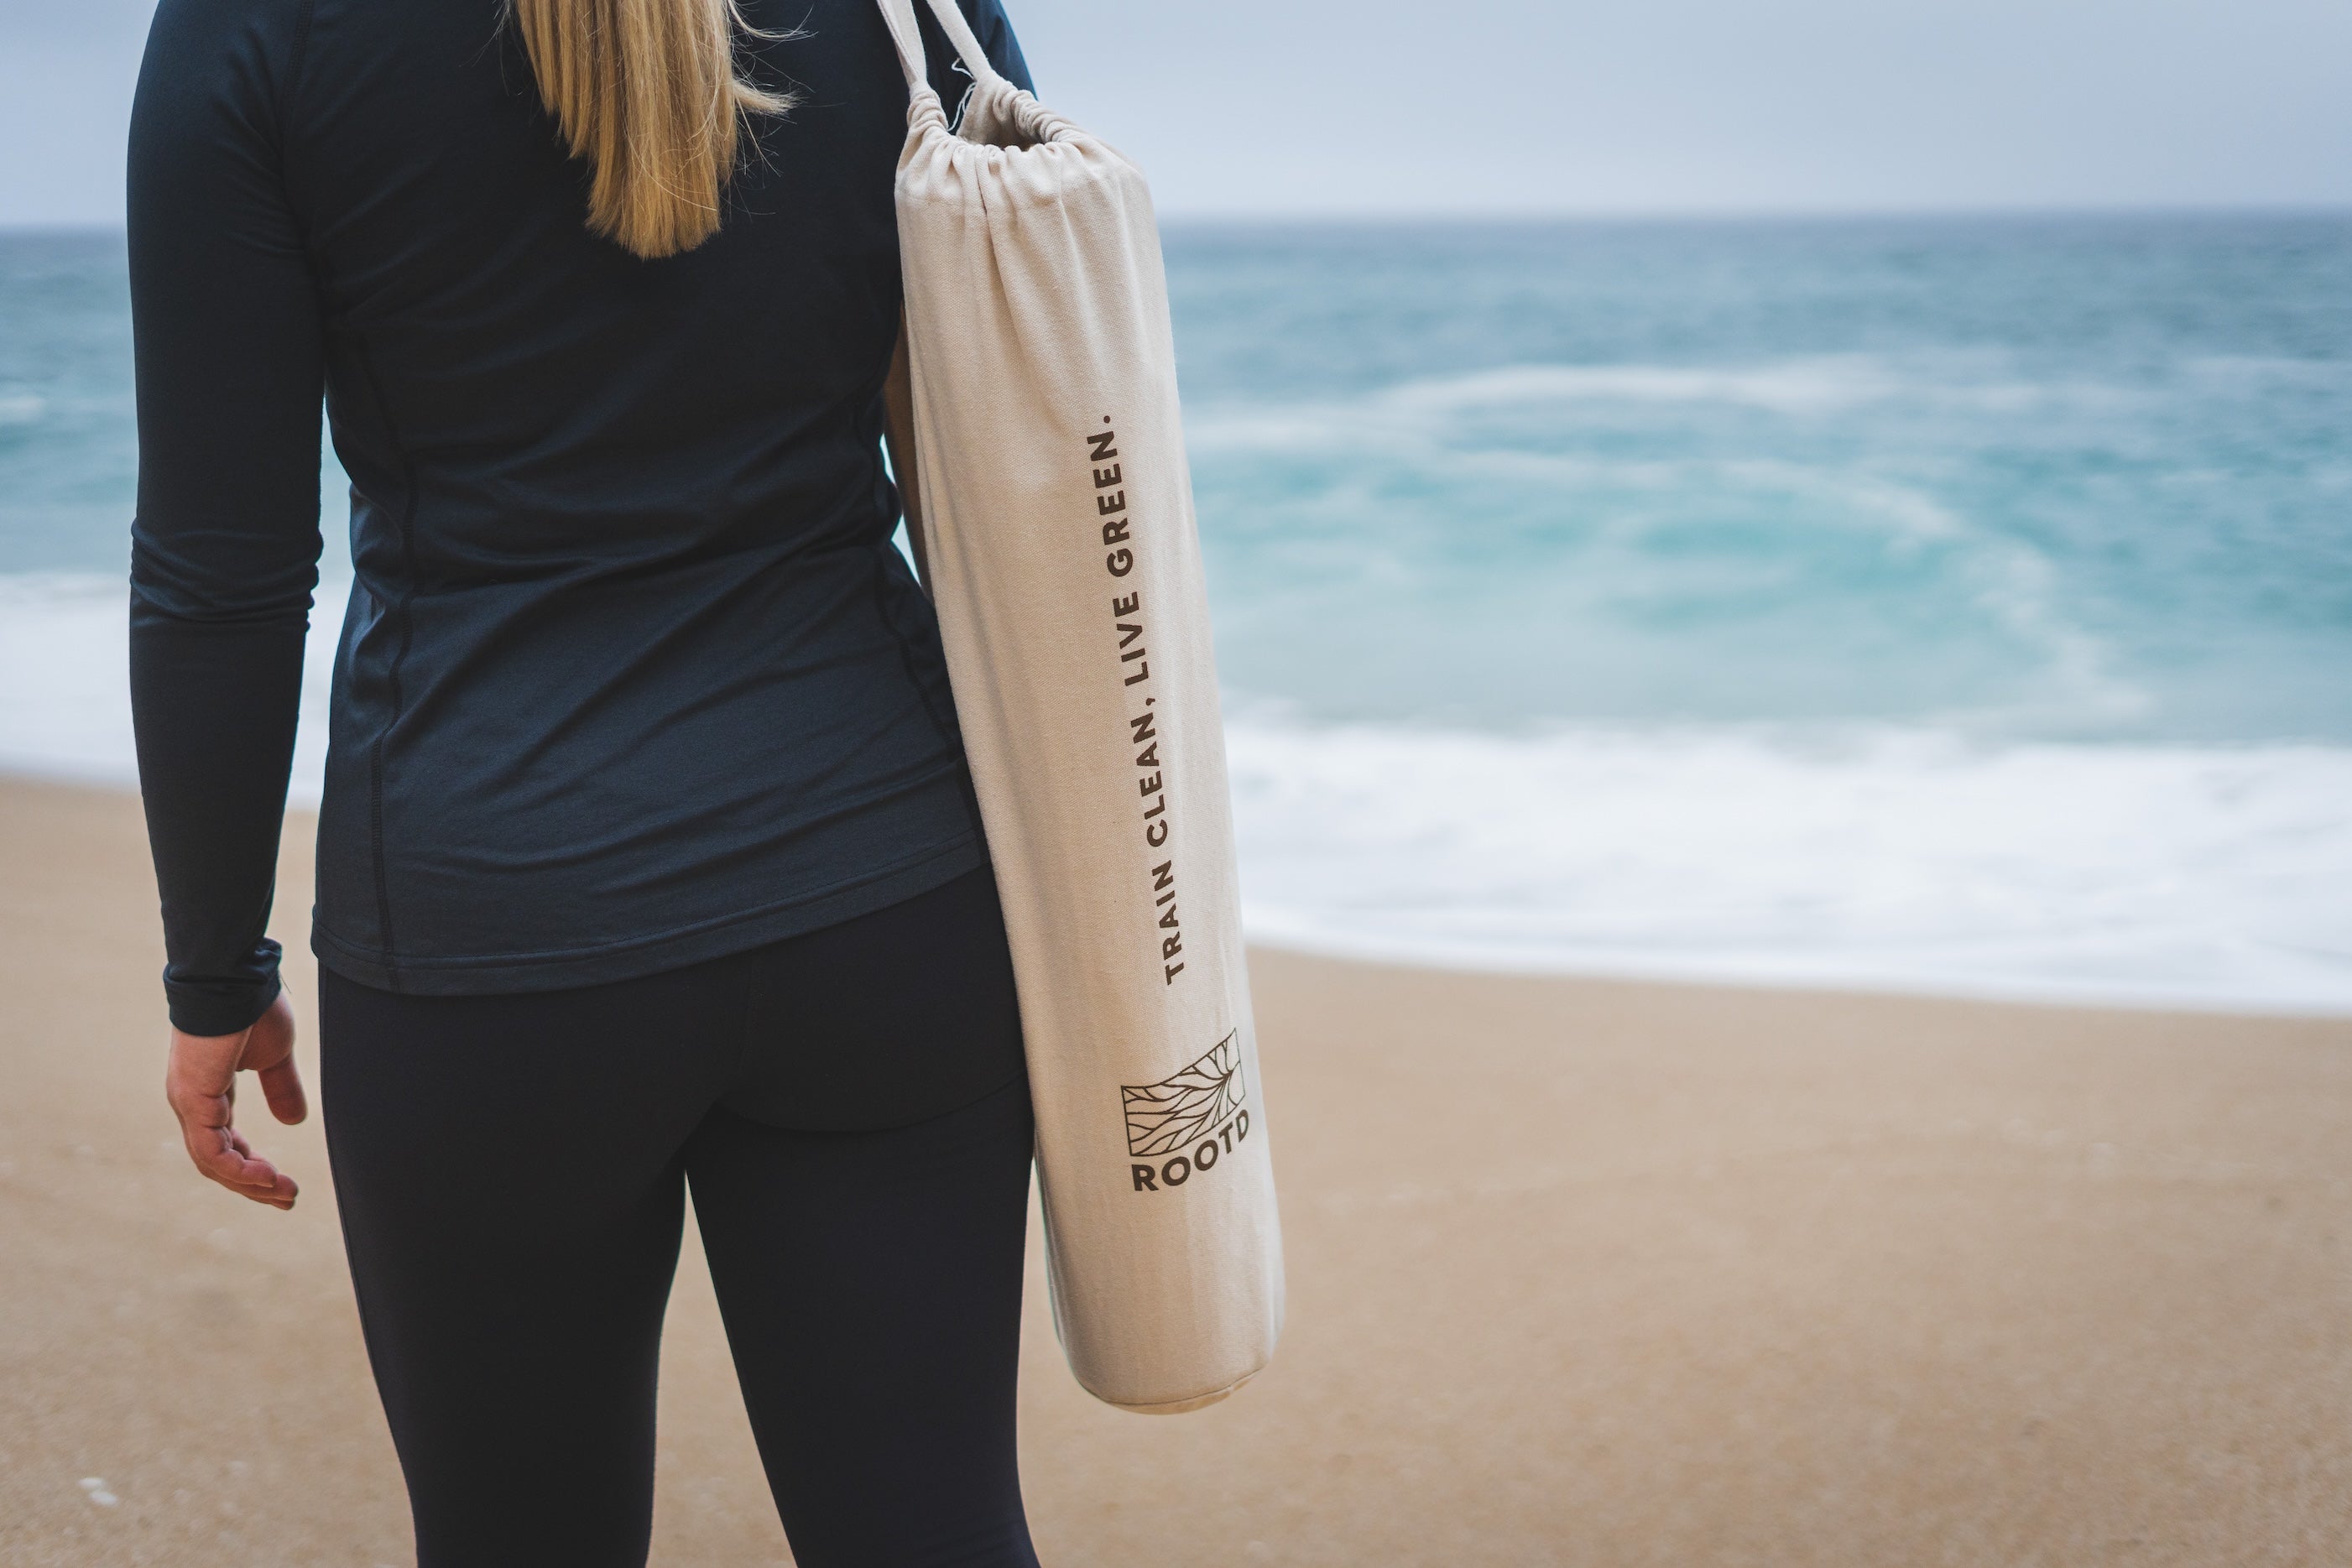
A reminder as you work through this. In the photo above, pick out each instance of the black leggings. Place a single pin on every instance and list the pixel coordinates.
(850, 1108)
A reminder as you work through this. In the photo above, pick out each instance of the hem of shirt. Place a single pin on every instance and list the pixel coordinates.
(633, 958)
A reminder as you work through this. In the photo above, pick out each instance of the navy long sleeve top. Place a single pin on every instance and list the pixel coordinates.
(631, 675)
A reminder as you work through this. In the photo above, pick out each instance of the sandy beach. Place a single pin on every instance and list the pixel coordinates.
(1581, 1272)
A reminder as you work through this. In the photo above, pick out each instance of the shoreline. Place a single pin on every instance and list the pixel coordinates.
(1801, 978)
(1608, 1271)
(1824, 987)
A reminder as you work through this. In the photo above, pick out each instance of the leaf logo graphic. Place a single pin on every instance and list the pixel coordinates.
(1166, 1117)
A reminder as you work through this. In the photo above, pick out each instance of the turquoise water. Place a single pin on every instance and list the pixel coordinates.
(68, 459)
(2060, 478)
(1951, 603)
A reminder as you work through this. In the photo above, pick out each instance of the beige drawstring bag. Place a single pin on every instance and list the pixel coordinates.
(1056, 515)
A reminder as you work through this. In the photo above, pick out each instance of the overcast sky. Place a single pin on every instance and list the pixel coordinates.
(1377, 106)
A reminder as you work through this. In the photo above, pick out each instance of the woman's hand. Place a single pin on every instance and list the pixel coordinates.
(201, 1084)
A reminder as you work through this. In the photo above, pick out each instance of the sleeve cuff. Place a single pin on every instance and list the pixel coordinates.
(224, 1005)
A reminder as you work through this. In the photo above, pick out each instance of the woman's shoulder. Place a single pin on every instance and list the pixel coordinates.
(183, 23)
(217, 73)
(247, 51)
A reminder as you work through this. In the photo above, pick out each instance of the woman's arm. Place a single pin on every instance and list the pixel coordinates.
(225, 545)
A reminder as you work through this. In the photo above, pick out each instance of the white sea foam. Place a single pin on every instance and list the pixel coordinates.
(1828, 384)
(1908, 860)
(1800, 388)
(65, 680)
(64, 676)
(1891, 858)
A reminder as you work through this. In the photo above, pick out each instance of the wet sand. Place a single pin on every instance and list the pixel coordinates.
(1581, 1273)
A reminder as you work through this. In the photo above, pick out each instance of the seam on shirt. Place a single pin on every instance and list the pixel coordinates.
(303, 14)
(281, 129)
(950, 730)
(943, 723)
(406, 626)
(298, 207)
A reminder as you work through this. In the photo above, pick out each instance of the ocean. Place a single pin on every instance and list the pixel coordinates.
(1960, 604)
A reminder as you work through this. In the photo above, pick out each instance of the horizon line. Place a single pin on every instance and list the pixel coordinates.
(1268, 218)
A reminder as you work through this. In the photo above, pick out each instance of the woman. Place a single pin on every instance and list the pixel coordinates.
(647, 855)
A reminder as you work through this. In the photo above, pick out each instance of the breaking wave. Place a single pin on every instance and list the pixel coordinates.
(1883, 857)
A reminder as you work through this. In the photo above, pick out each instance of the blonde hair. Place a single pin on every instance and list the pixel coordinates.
(648, 92)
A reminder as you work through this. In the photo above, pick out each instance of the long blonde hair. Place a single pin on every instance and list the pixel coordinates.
(648, 92)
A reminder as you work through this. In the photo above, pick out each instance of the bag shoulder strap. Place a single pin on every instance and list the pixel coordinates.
(899, 15)
(967, 43)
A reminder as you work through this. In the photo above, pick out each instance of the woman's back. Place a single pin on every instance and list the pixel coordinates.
(631, 675)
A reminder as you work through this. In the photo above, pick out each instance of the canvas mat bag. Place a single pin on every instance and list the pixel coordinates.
(1057, 512)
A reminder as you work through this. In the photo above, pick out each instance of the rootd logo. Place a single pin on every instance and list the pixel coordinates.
(1187, 1123)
